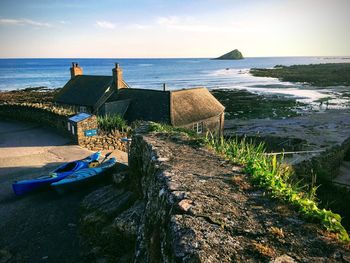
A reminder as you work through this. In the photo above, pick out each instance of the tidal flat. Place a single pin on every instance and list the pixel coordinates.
(242, 104)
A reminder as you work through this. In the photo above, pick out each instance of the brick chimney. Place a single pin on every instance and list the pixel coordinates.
(118, 77)
(75, 70)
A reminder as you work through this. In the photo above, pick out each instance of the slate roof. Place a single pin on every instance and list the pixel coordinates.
(120, 106)
(83, 90)
(193, 105)
(148, 105)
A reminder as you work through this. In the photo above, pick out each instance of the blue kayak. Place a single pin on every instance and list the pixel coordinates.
(25, 186)
(82, 176)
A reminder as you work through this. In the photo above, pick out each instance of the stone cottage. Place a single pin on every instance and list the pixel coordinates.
(189, 108)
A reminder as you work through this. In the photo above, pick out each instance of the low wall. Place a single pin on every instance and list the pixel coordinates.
(325, 165)
(32, 114)
(103, 141)
(182, 203)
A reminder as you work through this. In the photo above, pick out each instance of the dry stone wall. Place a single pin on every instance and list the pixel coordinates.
(33, 114)
(105, 141)
(200, 208)
(102, 141)
(182, 203)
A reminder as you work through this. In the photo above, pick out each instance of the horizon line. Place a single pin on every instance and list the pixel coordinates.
(301, 56)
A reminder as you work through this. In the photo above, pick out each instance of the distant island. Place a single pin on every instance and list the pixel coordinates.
(234, 54)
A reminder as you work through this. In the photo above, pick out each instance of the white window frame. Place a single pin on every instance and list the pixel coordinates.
(198, 127)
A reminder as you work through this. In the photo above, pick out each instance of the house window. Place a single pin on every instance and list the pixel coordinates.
(73, 130)
(68, 126)
(82, 109)
(198, 127)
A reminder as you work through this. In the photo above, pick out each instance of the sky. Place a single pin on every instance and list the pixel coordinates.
(173, 28)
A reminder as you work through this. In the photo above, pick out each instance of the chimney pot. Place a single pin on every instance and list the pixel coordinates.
(75, 70)
(118, 77)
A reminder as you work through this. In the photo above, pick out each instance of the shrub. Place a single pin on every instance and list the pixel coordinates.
(109, 123)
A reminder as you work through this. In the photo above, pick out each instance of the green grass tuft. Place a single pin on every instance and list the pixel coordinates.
(165, 128)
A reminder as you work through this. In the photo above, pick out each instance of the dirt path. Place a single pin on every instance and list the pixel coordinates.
(40, 227)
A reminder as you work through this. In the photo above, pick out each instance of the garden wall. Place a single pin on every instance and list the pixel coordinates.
(105, 141)
(32, 114)
(46, 118)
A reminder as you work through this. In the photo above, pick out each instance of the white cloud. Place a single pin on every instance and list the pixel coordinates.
(168, 21)
(105, 24)
(139, 26)
(8, 21)
(63, 22)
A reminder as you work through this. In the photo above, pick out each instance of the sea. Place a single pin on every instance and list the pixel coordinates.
(175, 73)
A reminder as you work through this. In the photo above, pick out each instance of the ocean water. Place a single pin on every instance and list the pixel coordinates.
(176, 73)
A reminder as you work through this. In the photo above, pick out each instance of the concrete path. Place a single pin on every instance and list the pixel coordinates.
(40, 227)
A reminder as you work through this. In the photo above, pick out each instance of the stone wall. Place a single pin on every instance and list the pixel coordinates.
(325, 165)
(82, 126)
(183, 203)
(103, 141)
(32, 114)
(199, 208)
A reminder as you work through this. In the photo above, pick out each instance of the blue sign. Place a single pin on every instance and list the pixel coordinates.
(90, 133)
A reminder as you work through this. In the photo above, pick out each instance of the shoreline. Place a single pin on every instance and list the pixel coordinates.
(239, 103)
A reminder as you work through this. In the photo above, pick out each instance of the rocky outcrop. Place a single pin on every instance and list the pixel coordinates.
(182, 203)
(232, 55)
